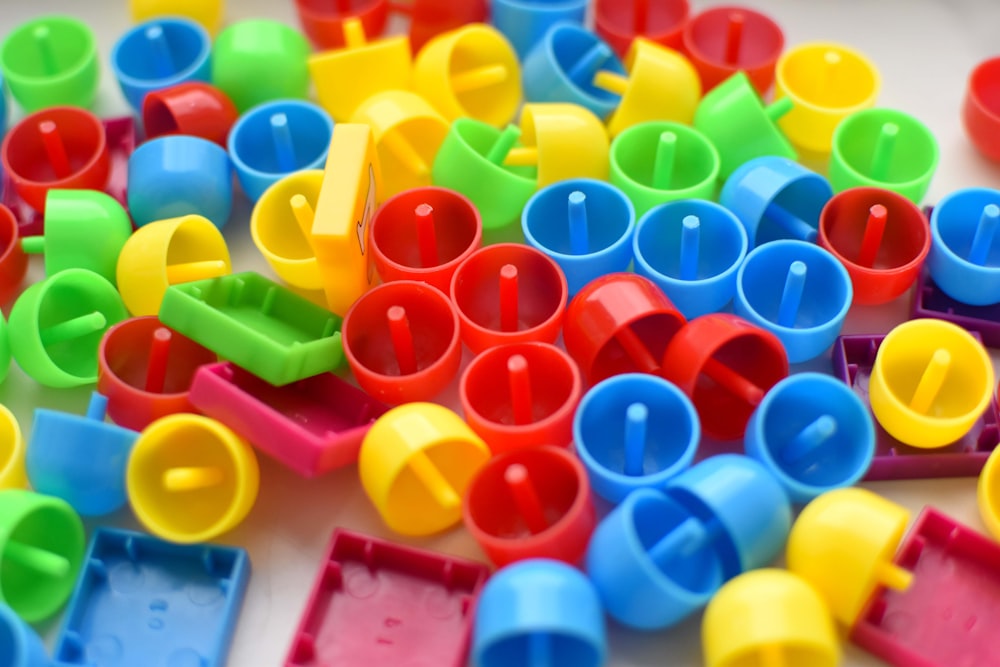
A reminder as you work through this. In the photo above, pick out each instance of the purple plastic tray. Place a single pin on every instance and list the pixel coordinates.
(853, 358)
(930, 301)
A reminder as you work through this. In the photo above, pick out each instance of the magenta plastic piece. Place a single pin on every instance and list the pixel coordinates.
(853, 357)
(930, 301)
(312, 426)
(949, 614)
(378, 603)
(121, 140)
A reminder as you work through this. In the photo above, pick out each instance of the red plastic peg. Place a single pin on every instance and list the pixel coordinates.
(323, 20)
(618, 22)
(723, 40)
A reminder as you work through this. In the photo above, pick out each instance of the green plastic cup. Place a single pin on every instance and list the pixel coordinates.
(42, 544)
(884, 148)
(258, 61)
(657, 162)
(51, 61)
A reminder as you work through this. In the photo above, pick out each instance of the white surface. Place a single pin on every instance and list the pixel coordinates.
(924, 50)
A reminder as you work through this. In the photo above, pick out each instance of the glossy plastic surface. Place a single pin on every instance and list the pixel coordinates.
(723, 40)
(525, 22)
(618, 23)
(22, 647)
(561, 141)
(281, 227)
(194, 108)
(12, 473)
(981, 108)
(964, 259)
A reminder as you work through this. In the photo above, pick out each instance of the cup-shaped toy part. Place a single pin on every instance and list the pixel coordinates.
(524, 24)
(13, 260)
(20, 645)
(208, 13)
(563, 141)
(84, 229)
(12, 473)
(258, 60)
(620, 23)
(724, 40)
(281, 223)
(323, 21)
(964, 259)
(981, 108)
(193, 108)
(988, 494)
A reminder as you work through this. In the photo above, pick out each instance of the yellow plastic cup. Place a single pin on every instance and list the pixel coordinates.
(930, 382)
(165, 253)
(415, 463)
(208, 13)
(191, 479)
(768, 617)
(988, 494)
(826, 82)
(562, 141)
(281, 224)
(12, 472)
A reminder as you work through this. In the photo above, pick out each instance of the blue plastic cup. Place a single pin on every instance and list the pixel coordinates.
(159, 54)
(20, 645)
(583, 224)
(179, 175)
(692, 250)
(277, 138)
(964, 260)
(525, 22)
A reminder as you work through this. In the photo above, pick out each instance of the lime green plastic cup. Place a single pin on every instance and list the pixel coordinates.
(258, 61)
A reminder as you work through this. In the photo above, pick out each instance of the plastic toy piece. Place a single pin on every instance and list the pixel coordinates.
(57, 148)
(692, 250)
(159, 54)
(324, 22)
(797, 291)
(964, 259)
(620, 323)
(620, 24)
(80, 459)
(567, 64)
(772, 615)
(533, 407)
(184, 600)
(561, 141)
(954, 579)
(988, 495)
(813, 433)
(634, 431)
(930, 301)
(471, 72)
(41, 550)
(736, 121)
(346, 77)
(657, 162)
(84, 229)
(424, 234)
(430, 18)
(191, 479)
(341, 229)
(51, 61)
(827, 83)
(723, 40)
(471, 161)
(208, 13)
(257, 324)
(5, 349)
(531, 503)
(539, 612)
(146, 371)
(167, 252)
(275, 139)
(585, 225)
(281, 226)
(192, 108)
(880, 237)
(311, 426)
(886, 149)
(12, 472)
(56, 326)
(431, 595)
(525, 22)
(725, 365)
(402, 342)
(843, 544)
(13, 260)
(259, 60)
(853, 359)
(508, 293)
(22, 646)
(416, 462)
(408, 133)
(776, 198)
(660, 555)
(930, 383)
(178, 175)
(981, 108)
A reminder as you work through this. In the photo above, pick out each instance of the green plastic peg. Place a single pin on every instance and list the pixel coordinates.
(258, 61)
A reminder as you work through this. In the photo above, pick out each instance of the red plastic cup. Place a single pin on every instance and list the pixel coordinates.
(424, 234)
(58, 148)
(402, 342)
(430, 18)
(620, 323)
(323, 20)
(146, 370)
(13, 260)
(723, 40)
(881, 238)
(508, 293)
(725, 365)
(531, 503)
(618, 22)
(981, 108)
(193, 108)
(534, 406)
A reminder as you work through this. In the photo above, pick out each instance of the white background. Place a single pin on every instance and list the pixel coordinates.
(924, 50)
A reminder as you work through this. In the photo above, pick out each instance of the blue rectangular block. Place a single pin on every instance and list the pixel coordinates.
(141, 601)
